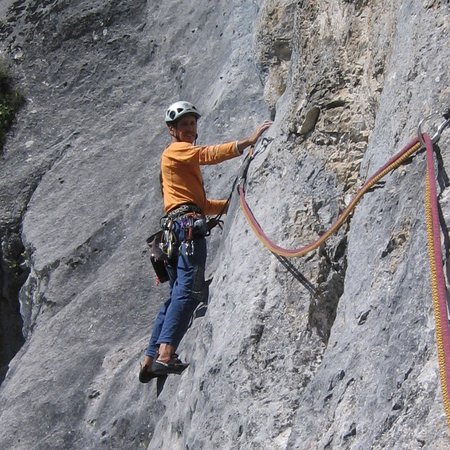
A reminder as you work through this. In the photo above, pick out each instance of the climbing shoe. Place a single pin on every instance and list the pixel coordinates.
(165, 368)
(146, 373)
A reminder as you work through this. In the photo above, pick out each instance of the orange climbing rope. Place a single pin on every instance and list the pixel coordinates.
(392, 164)
(438, 285)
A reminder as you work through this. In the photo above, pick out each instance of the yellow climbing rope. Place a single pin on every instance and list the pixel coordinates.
(438, 285)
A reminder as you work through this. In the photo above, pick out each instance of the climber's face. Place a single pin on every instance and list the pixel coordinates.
(185, 129)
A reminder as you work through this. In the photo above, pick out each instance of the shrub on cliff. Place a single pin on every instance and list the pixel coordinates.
(10, 102)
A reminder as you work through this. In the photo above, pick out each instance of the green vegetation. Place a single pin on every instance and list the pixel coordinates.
(10, 102)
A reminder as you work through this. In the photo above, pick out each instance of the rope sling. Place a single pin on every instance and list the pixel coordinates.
(438, 286)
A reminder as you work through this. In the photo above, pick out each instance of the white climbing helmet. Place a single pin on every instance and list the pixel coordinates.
(179, 109)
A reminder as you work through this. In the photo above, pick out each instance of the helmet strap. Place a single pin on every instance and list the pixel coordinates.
(173, 131)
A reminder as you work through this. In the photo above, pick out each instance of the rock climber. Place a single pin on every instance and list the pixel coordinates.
(186, 206)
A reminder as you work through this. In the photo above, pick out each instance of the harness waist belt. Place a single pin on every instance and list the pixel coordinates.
(182, 210)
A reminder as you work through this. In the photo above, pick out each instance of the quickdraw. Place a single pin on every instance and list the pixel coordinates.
(438, 286)
(240, 177)
(194, 225)
(169, 240)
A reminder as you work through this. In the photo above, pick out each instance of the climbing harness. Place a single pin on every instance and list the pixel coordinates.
(438, 286)
(164, 244)
(192, 223)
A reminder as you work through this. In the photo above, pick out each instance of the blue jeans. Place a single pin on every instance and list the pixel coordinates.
(187, 284)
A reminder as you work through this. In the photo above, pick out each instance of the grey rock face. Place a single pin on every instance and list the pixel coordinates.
(334, 350)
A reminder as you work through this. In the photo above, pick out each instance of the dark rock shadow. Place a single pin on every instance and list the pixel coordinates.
(298, 275)
(160, 382)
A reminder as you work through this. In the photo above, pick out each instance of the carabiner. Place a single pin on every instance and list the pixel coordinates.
(440, 128)
(261, 148)
(439, 131)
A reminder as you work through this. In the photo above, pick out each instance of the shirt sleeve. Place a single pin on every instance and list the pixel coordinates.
(214, 154)
(214, 207)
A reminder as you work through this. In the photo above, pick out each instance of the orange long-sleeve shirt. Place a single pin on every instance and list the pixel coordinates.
(182, 180)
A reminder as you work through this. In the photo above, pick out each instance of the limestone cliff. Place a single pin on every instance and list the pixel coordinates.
(335, 351)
